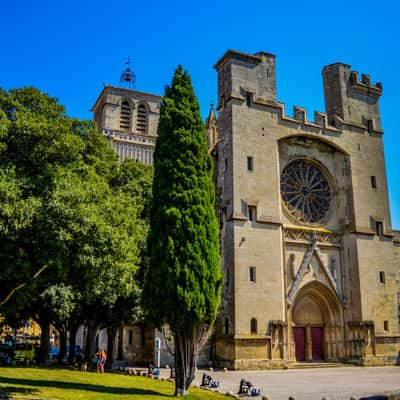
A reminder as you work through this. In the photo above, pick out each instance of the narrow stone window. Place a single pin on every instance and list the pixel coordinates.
(251, 213)
(226, 164)
(373, 182)
(398, 306)
(130, 338)
(386, 326)
(125, 117)
(369, 125)
(248, 100)
(253, 326)
(249, 163)
(252, 274)
(382, 277)
(379, 228)
(226, 326)
(141, 119)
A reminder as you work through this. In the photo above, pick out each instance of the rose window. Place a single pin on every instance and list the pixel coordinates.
(305, 191)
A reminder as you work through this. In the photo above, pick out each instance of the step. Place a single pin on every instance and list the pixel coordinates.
(304, 365)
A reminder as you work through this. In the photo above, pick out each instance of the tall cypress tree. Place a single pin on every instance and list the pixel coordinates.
(183, 281)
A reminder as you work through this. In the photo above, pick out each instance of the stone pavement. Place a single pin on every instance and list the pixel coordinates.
(314, 383)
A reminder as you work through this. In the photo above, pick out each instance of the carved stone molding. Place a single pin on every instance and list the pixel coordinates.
(313, 249)
(301, 235)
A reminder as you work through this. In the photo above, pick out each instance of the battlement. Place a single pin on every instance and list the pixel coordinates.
(300, 118)
(353, 100)
(364, 86)
(321, 120)
(348, 100)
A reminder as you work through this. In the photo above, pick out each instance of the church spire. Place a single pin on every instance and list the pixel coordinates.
(211, 128)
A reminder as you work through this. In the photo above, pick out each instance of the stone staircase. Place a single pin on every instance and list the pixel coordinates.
(318, 364)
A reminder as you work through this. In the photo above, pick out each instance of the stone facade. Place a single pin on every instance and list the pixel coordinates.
(311, 264)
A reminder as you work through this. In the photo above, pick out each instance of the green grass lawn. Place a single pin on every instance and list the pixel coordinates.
(60, 384)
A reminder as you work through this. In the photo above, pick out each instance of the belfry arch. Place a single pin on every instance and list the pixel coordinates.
(316, 322)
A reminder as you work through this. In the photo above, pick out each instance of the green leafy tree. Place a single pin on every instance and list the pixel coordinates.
(183, 281)
(65, 227)
(58, 303)
(100, 234)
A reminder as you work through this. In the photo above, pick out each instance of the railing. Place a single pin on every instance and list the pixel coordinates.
(129, 137)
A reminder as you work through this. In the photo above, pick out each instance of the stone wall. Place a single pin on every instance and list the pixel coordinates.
(339, 258)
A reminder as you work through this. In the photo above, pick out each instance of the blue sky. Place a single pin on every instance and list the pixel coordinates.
(70, 48)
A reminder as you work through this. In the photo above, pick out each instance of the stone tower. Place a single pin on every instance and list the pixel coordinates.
(310, 260)
(129, 119)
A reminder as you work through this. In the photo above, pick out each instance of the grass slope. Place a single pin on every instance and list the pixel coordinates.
(62, 384)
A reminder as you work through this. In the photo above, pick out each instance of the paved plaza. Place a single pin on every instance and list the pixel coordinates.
(313, 383)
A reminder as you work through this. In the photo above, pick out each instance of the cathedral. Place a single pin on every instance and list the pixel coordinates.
(310, 259)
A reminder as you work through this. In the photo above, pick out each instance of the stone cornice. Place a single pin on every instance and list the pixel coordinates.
(245, 57)
(108, 89)
(251, 337)
(133, 138)
(262, 219)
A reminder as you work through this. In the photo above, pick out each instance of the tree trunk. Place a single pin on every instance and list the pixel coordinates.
(186, 350)
(120, 352)
(72, 342)
(44, 343)
(111, 334)
(63, 343)
(90, 346)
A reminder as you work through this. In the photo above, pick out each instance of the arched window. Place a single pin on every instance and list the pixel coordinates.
(141, 120)
(226, 326)
(125, 118)
(253, 326)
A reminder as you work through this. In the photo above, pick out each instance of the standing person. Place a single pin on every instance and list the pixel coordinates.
(101, 358)
(103, 361)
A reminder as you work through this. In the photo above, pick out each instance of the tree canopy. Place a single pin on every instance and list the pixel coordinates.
(71, 220)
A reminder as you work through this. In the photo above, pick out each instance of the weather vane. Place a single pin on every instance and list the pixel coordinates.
(128, 77)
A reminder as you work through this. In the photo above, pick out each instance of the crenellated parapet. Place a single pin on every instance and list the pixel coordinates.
(250, 79)
(320, 118)
(300, 118)
(364, 85)
(350, 100)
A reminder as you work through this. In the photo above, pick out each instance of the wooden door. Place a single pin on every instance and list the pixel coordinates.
(300, 343)
(316, 343)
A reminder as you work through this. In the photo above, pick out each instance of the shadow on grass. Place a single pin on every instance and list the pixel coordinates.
(8, 390)
(78, 386)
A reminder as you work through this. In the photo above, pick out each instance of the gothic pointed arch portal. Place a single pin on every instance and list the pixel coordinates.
(317, 324)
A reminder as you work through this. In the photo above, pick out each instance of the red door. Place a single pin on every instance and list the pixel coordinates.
(316, 343)
(300, 343)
